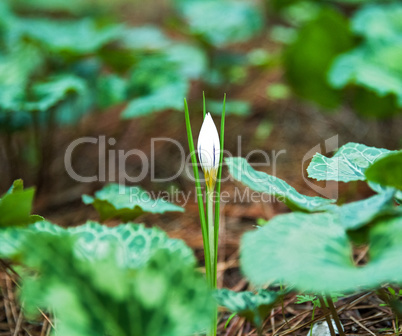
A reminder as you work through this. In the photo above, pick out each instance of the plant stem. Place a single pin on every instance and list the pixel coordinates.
(218, 186)
(335, 315)
(327, 315)
(283, 306)
(312, 319)
(213, 260)
(211, 235)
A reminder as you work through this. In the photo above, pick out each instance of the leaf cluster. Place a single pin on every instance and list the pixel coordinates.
(312, 248)
(354, 59)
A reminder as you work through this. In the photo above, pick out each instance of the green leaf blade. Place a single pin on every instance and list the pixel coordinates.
(259, 181)
(387, 171)
(16, 206)
(310, 251)
(348, 163)
(127, 203)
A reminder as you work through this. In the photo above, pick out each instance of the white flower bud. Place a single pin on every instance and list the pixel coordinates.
(209, 150)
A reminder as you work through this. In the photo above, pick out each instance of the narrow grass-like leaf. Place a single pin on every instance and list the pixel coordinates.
(198, 189)
(204, 108)
(218, 183)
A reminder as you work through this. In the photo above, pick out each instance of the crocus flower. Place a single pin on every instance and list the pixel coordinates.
(209, 150)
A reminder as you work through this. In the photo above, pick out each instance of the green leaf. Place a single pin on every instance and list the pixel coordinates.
(18, 185)
(379, 22)
(309, 57)
(373, 67)
(167, 97)
(55, 90)
(74, 7)
(387, 170)
(391, 290)
(357, 214)
(310, 251)
(255, 307)
(148, 38)
(11, 239)
(190, 60)
(99, 298)
(385, 249)
(111, 90)
(127, 203)
(134, 244)
(22, 62)
(369, 104)
(221, 22)
(259, 181)
(348, 164)
(16, 206)
(74, 37)
(157, 84)
(305, 298)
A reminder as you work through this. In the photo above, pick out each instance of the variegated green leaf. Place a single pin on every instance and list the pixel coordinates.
(313, 253)
(259, 181)
(133, 243)
(164, 297)
(127, 203)
(348, 164)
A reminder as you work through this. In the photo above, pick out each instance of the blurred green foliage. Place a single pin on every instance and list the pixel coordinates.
(95, 280)
(390, 163)
(99, 297)
(60, 61)
(143, 65)
(346, 56)
(375, 63)
(221, 22)
(308, 59)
